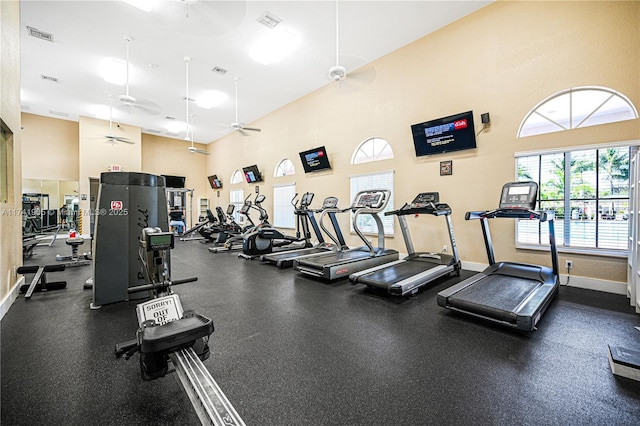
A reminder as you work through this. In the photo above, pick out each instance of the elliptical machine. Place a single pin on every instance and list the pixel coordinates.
(266, 239)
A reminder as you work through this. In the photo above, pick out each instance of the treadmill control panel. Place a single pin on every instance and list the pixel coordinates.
(330, 203)
(519, 195)
(373, 199)
(425, 199)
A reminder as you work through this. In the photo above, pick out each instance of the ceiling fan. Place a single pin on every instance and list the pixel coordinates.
(237, 125)
(337, 72)
(362, 76)
(110, 136)
(128, 100)
(192, 149)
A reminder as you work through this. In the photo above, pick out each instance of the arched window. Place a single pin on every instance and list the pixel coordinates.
(284, 168)
(373, 149)
(577, 107)
(236, 177)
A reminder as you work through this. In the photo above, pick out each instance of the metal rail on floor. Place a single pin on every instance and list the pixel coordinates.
(209, 402)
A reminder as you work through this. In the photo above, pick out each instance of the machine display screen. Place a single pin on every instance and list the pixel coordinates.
(425, 198)
(160, 241)
(519, 195)
(369, 200)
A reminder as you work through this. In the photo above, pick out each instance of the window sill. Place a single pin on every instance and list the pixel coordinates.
(620, 254)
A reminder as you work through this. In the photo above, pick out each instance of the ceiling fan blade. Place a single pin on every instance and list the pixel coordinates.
(193, 149)
(253, 129)
(242, 132)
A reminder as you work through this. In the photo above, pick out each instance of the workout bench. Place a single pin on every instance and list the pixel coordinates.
(39, 282)
(74, 259)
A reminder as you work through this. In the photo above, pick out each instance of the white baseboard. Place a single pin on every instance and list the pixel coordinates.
(615, 287)
(10, 297)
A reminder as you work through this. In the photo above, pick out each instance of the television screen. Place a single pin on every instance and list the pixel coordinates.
(453, 133)
(174, 181)
(214, 182)
(315, 159)
(252, 174)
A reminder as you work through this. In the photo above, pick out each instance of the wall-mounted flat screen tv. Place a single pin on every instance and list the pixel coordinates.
(174, 181)
(315, 159)
(252, 174)
(214, 182)
(447, 134)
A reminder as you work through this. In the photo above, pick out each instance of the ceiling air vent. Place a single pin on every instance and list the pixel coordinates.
(49, 78)
(61, 114)
(219, 70)
(269, 20)
(170, 118)
(33, 32)
(153, 131)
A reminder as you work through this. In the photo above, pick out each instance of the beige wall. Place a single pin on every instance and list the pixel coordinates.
(503, 60)
(10, 223)
(76, 152)
(60, 139)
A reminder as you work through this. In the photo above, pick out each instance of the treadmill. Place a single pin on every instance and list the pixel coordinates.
(341, 264)
(508, 293)
(329, 207)
(407, 275)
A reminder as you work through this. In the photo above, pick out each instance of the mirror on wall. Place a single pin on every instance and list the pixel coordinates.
(42, 201)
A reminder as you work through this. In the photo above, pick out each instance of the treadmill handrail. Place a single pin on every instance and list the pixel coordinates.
(507, 213)
(338, 239)
(376, 217)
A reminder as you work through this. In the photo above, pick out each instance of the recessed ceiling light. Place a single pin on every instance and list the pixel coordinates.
(176, 127)
(210, 99)
(275, 45)
(114, 71)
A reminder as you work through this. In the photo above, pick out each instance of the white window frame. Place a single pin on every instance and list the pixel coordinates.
(371, 151)
(571, 109)
(283, 212)
(236, 177)
(236, 197)
(561, 226)
(376, 180)
(284, 168)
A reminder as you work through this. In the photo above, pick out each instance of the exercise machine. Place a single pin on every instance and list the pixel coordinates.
(235, 242)
(127, 203)
(223, 228)
(340, 264)
(407, 275)
(329, 207)
(74, 259)
(168, 335)
(267, 239)
(508, 293)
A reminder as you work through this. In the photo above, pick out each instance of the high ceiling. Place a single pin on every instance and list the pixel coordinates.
(213, 34)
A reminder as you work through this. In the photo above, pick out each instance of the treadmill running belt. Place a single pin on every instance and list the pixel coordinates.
(331, 258)
(496, 296)
(387, 276)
